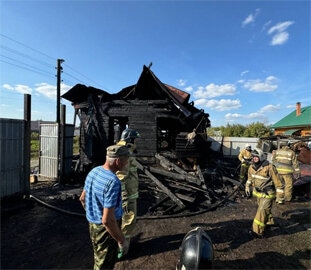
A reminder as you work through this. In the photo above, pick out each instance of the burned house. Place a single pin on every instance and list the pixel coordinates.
(175, 172)
(161, 113)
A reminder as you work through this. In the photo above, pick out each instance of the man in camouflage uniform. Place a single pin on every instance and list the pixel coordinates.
(285, 161)
(102, 201)
(129, 183)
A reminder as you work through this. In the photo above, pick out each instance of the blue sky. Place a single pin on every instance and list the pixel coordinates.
(241, 61)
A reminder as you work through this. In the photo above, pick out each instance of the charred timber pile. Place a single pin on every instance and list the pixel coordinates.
(167, 190)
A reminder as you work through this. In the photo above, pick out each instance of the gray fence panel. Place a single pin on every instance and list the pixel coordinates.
(231, 146)
(12, 162)
(48, 160)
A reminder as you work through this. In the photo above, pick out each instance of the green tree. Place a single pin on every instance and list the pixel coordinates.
(253, 130)
(256, 130)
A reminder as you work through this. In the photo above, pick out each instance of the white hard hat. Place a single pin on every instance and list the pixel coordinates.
(259, 153)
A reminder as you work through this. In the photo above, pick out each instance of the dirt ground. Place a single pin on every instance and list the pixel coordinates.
(36, 236)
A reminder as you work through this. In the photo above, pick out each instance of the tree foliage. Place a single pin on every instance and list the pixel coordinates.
(253, 130)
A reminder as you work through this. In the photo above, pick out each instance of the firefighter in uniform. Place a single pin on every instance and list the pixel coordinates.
(129, 184)
(245, 156)
(285, 161)
(260, 182)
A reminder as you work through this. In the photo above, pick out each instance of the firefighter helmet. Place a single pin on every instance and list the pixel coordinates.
(248, 147)
(129, 134)
(289, 143)
(196, 251)
(259, 153)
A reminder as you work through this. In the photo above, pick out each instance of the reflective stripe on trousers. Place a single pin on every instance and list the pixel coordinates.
(263, 215)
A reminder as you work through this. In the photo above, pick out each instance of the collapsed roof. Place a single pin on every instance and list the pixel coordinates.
(148, 87)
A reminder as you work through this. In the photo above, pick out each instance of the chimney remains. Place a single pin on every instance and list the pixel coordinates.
(298, 109)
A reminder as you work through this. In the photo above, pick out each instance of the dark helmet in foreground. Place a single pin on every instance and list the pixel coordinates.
(129, 135)
(196, 251)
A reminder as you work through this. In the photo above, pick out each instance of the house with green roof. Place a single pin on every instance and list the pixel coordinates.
(297, 123)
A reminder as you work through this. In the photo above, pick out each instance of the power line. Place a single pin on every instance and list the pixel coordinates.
(66, 73)
(35, 69)
(82, 76)
(35, 50)
(23, 67)
(31, 67)
(25, 55)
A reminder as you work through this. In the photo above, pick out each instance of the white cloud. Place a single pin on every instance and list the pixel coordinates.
(49, 90)
(279, 38)
(213, 90)
(291, 106)
(181, 82)
(244, 72)
(260, 115)
(268, 85)
(266, 25)
(218, 105)
(280, 27)
(44, 89)
(189, 89)
(279, 33)
(252, 117)
(19, 88)
(270, 108)
(250, 18)
(8, 87)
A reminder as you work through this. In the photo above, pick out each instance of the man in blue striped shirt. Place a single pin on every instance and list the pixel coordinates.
(102, 200)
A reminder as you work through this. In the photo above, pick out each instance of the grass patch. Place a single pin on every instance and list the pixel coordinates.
(34, 147)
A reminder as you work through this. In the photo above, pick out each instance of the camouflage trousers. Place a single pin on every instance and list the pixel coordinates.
(104, 246)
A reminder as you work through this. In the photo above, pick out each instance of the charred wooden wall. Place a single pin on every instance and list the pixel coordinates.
(159, 122)
(141, 116)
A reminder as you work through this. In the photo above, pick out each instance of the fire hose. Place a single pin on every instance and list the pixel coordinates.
(56, 208)
(211, 207)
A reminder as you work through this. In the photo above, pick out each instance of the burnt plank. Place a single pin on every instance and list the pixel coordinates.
(159, 184)
(178, 176)
(185, 197)
(199, 172)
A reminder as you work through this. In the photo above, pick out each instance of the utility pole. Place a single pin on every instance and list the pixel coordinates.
(59, 148)
(59, 70)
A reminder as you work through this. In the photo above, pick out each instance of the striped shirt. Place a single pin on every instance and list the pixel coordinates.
(103, 190)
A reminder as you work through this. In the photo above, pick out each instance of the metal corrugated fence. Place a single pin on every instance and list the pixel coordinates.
(231, 146)
(12, 163)
(49, 151)
(48, 159)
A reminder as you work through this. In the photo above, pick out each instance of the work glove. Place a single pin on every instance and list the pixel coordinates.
(123, 248)
(248, 190)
